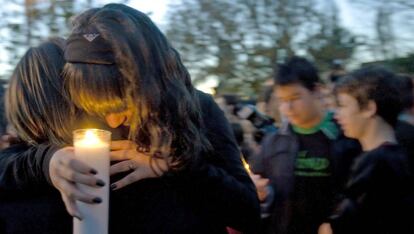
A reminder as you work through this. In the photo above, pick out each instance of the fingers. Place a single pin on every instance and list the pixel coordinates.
(122, 145)
(262, 182)
(259, 181)
(120, 155)
(122, 167)
(71, 207)
(76, 165)
(140, 171)
(86, 179)
(64, 171)
(261, 186)
(255, 178)
(70, 194)
(325, 228)
(73, 193)
(73, 170)
(129, 179)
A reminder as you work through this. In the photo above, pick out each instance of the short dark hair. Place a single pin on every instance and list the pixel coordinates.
(377, 84)
(297, 70)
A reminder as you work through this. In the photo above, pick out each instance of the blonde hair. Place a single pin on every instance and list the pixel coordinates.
(36, 104)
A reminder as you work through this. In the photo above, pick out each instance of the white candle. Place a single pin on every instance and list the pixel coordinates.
(92, 148)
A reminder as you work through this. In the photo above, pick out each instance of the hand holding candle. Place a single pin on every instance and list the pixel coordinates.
(65, 171)
(260, 183)
(261, 186)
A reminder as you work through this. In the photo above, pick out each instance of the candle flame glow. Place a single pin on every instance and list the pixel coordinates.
(90, 139)
(246, 165)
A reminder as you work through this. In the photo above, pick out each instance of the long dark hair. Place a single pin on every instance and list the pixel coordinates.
(147, 75)
(36, 104)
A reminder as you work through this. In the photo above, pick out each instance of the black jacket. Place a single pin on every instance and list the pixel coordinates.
(206, 199)
(405, 135)
(379, 195)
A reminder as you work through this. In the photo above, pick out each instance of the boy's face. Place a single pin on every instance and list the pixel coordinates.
(298, 104)
(350, 116)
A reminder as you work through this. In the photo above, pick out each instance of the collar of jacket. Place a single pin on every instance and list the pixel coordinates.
(328, 126)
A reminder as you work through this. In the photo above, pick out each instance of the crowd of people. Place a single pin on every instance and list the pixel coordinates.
(178, 154)
(341, 159)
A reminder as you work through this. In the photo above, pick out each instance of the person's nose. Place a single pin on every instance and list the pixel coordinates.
(286, 107)
(114, 120)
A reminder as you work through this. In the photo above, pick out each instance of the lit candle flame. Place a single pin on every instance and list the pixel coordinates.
(246, 165)
(90, 139)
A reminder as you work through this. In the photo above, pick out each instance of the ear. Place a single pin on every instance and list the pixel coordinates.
(370, 110)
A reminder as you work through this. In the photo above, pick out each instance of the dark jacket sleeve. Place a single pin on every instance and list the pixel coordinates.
(258, 161)
(344, 206)
(227, 193)
(346, 212)
(345, 150)
(363, 180)
(25, 167)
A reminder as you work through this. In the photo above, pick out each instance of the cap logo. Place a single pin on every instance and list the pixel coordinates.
(90, 36)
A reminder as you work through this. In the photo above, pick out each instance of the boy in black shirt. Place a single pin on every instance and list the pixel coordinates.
(378, 198)
(301, 166)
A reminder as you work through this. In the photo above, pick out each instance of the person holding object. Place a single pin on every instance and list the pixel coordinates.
(139, 81)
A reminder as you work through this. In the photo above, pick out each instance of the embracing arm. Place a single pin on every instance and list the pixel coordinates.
(33, 168)
(25, 167)
(221, 180)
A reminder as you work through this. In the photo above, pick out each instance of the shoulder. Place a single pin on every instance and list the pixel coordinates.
(390, 152)
(211, 112)
(283, 136)
(15, 148)
(204, 98)
(386, 156)
(390, 160)
(404, 131)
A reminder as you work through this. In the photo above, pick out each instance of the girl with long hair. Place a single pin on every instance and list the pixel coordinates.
(120, 67)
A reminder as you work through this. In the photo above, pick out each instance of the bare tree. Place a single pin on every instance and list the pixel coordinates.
(239, 42)
(392, 24)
